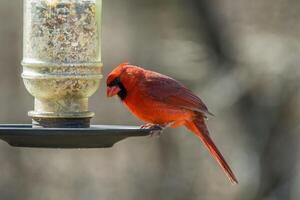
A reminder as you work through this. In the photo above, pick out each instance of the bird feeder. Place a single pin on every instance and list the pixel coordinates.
(61, 70)
(62, 59)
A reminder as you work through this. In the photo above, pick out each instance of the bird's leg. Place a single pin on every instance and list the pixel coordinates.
(156, 129)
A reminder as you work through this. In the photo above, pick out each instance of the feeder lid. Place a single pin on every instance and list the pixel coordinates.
(97, 136)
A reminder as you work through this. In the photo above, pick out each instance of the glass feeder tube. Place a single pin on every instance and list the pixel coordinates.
(62, 59)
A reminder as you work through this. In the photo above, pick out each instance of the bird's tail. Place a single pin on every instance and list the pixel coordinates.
(199, 128)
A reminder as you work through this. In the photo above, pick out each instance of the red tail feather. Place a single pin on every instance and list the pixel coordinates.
(199, 128)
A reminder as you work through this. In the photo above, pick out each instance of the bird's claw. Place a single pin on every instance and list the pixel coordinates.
(155, 129)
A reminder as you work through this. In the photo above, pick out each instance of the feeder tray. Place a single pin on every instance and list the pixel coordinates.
(97, 136)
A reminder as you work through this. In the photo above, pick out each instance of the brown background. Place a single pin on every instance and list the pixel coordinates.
(241, 57)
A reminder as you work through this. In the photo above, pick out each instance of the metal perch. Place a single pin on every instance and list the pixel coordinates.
(97, 136)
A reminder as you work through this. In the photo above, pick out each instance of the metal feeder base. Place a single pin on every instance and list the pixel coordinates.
(97, 136)
(39, 122)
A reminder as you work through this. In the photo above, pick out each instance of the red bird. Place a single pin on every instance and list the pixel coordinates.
(160, 100)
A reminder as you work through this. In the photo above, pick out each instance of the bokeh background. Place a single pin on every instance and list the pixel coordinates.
(241, 57)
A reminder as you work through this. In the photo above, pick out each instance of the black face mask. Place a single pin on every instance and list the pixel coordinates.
(117, 82)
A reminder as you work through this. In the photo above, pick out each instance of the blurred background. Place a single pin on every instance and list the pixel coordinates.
(241, 57)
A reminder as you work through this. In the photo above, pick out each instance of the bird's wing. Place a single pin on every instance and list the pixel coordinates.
(165, 89)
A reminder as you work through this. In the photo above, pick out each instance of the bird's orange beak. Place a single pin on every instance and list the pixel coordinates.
(112, 91)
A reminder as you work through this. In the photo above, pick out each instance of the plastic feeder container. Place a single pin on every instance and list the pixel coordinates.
(62, 59)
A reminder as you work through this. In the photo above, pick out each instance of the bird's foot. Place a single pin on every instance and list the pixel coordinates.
(155, 129)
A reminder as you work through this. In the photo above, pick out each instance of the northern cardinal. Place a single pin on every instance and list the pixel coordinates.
(161, 100)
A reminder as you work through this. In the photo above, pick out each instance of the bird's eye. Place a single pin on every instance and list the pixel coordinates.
(115, 82)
